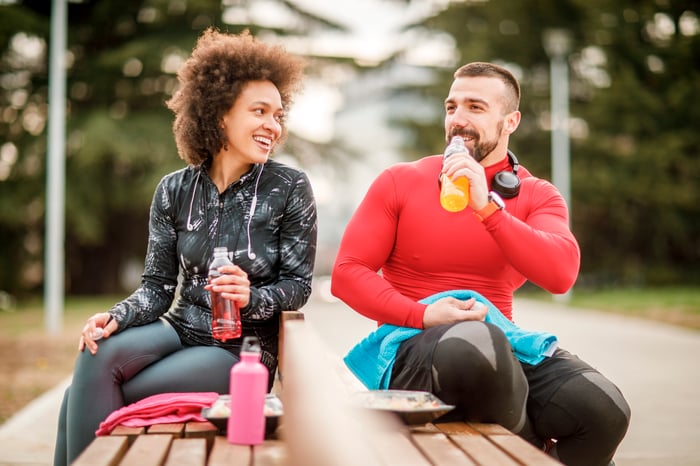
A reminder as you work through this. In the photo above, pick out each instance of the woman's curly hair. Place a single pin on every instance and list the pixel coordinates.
(212, 79)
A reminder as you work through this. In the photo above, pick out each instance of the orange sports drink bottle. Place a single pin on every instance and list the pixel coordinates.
(454, 193)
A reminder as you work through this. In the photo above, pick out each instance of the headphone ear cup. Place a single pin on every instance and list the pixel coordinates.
(506, 184)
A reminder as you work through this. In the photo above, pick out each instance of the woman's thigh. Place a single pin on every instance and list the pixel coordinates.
(124, 354)
(96, 389)
(190, 369)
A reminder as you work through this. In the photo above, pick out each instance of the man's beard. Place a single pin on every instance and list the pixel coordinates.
(481, 149)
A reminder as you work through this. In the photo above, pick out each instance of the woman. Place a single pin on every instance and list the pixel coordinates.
(229, 115)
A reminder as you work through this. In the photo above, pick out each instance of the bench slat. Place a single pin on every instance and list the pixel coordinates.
(200, 429)
(103, 451)
(523, 451)
(129, 432)
(394, 447)
(148, 450)
(271, 453)
(482, 451)
(511, 444)
(175, 429)
(440, 450)
(490, 429)
(476, 445)
(205, 430)
(188, 452)
(457, 428)
(227, 454)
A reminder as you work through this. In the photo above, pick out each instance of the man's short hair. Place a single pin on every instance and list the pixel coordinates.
(490, 70)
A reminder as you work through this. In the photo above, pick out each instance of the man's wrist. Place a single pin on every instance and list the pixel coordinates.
(495, 204)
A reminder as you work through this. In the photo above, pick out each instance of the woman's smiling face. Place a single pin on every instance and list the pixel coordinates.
(253, 124)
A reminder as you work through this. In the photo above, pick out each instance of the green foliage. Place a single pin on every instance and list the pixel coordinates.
(643, 148)
(119, 137)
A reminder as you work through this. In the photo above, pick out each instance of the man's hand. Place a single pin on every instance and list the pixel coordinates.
(463, 164)
(451, 310)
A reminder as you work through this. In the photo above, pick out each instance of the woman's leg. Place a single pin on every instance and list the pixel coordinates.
(59, 454)
(191, 369)
(97, 380)
(578, 407)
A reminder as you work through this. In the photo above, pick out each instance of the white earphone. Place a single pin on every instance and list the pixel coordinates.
(251, 212)
(251, 254)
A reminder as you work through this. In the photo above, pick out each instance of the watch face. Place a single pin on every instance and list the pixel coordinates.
(496, 199)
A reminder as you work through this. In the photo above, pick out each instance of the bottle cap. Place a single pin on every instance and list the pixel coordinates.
(456, 145)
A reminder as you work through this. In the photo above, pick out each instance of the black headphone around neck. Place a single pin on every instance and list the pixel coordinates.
(506, 183)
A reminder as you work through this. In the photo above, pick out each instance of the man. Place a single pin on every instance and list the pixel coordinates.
(401, 247)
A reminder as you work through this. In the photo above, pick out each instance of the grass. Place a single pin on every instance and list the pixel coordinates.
(673, 305)
(28, 315)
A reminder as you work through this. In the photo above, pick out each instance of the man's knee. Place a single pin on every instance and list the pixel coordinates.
(597, 416)
(606, 410)
(474, 356)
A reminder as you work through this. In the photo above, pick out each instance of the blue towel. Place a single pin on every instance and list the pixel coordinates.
(372, 359)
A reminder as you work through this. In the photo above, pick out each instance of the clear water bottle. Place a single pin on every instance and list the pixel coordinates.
(248, 389)
(225, 314)
(454, 193)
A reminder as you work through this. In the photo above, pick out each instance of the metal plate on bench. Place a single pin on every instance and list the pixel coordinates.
(413, 407)
(219, 411)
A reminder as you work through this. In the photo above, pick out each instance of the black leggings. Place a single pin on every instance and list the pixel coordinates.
(471, 365)
(129, 366)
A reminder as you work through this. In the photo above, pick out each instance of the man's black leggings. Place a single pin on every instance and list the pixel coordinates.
(129, 366)
(471, 365)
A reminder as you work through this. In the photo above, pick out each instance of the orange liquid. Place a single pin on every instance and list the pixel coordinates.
(454, 194)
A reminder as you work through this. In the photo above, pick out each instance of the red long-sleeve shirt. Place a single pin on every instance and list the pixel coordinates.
(401, 246)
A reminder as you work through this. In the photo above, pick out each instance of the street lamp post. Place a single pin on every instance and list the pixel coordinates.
(557, 44)
(55, 197)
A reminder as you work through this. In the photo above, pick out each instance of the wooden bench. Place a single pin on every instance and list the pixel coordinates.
(319, 427)
(197, 444)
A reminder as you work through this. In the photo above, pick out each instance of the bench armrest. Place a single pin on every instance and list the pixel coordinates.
(286, 316)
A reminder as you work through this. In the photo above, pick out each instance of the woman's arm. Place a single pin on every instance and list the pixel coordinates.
(159, 280)
(297, 255)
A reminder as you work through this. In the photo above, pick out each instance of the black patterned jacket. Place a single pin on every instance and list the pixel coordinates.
(188, 218)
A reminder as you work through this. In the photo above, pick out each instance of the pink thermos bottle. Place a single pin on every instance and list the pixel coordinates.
(248, 388)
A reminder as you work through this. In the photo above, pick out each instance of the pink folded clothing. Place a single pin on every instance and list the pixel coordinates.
(159, 409)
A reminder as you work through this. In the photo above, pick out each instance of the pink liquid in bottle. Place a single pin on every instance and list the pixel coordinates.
(225, 314)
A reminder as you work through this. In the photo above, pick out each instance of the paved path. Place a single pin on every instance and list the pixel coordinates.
(655, 366)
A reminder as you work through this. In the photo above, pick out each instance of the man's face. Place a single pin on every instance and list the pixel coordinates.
(475, 109)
